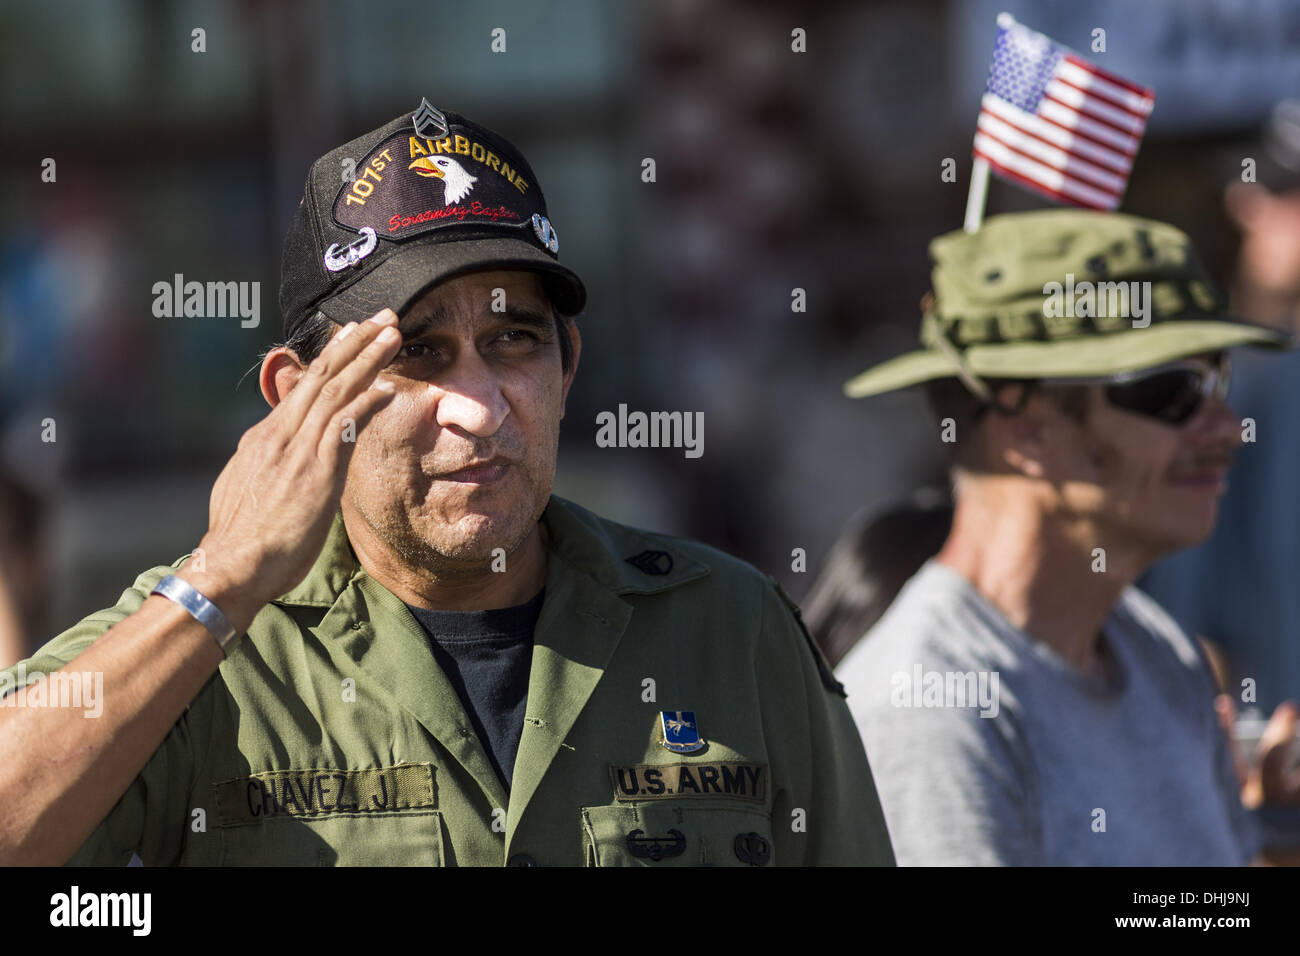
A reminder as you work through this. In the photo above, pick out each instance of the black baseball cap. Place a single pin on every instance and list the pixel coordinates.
(427, 196)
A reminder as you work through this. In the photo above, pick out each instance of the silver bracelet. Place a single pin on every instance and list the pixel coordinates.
(204, 611)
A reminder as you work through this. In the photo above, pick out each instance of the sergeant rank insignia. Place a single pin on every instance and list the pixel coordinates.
(429, 122)
(681, 731)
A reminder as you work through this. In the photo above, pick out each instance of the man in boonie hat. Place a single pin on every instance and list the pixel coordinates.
(1021, 702)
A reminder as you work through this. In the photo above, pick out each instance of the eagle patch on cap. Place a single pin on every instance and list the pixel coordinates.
(461, 178)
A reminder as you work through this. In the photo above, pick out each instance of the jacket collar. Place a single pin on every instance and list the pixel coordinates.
(590, 564)
(335, 566)
(621, 559)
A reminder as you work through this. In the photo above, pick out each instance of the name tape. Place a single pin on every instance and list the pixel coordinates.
(313, 793)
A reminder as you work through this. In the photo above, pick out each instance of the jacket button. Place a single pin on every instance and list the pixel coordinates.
(751, 848)
(521, 859)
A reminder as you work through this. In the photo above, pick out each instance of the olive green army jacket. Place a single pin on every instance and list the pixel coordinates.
(331, 737)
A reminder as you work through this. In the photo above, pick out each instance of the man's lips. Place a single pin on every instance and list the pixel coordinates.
(1202, 477)
(477, 473)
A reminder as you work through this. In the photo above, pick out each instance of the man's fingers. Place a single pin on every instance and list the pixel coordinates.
(1276, 741)
(348, 343)
(1270, 780)
(1280, 728)
(349, 382)
(1227, 713)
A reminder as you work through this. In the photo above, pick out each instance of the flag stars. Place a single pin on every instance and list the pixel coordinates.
(1021, 71)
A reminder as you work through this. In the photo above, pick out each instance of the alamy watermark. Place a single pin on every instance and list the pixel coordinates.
(130, 910)
(922, 688)
(213, 300)
(67, 689)
(1121, 300)
(651, 430)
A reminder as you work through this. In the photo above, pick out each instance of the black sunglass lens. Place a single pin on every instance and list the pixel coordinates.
(1172, 396)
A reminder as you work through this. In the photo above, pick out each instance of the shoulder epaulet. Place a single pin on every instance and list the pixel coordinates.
(823, 666)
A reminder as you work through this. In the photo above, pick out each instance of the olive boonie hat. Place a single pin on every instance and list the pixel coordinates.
(428, 196)
(1063, 293)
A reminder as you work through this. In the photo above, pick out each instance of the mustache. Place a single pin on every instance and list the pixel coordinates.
(474, 455)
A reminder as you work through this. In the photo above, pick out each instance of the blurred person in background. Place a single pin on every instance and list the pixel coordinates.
(1021, 702)
(21, 562)
(870, 563)
(27, 484)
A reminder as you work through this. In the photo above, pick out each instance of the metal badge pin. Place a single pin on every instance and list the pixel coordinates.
(546, 233)
(681, 731)
(429, 122)
(339, 258)
(656, 848)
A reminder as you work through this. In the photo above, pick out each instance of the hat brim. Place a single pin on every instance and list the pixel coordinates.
(410, 272)
(1085, 356)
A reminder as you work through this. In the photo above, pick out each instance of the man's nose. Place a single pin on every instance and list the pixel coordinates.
(1217, 423)
(470, 397)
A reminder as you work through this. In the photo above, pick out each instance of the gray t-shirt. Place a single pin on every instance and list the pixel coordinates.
(1062, 768)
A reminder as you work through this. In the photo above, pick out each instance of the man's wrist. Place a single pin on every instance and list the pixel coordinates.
(232, 600)
(201, 609)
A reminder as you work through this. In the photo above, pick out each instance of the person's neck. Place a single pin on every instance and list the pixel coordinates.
(1037, 568)
(446, 587)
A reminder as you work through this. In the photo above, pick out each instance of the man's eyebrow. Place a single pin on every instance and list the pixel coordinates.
(414, 326)
(538, 321)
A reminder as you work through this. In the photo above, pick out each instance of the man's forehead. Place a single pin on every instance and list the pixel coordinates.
(470, 285)
(499, 291)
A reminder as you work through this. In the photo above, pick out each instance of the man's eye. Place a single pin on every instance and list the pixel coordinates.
(518, 339)
(413, 350)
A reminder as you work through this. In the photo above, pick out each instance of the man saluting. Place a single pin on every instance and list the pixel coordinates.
(398, 646)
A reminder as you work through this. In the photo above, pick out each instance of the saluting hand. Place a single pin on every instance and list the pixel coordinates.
(273, 503)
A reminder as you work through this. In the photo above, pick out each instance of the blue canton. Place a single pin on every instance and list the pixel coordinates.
(1023, 63)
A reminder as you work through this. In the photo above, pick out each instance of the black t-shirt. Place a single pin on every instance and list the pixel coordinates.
(487, 655)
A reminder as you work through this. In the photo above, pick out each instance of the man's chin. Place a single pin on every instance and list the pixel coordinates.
(1192, 532)
(478, 536)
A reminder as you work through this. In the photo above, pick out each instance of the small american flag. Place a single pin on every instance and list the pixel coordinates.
(1055, 123)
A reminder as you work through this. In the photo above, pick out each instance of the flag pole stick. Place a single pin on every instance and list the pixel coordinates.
(979, 191)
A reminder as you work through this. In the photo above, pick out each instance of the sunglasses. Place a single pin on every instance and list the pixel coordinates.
(1172, 393)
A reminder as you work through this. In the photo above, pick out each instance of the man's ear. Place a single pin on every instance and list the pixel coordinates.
(575, 337)
(281, 371)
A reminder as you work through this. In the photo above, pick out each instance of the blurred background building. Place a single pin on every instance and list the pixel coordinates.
(775, 170)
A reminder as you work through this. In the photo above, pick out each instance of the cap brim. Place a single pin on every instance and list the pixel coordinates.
(1084, 356)
(410, 272)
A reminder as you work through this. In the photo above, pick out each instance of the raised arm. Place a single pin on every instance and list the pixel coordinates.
(271, 508)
